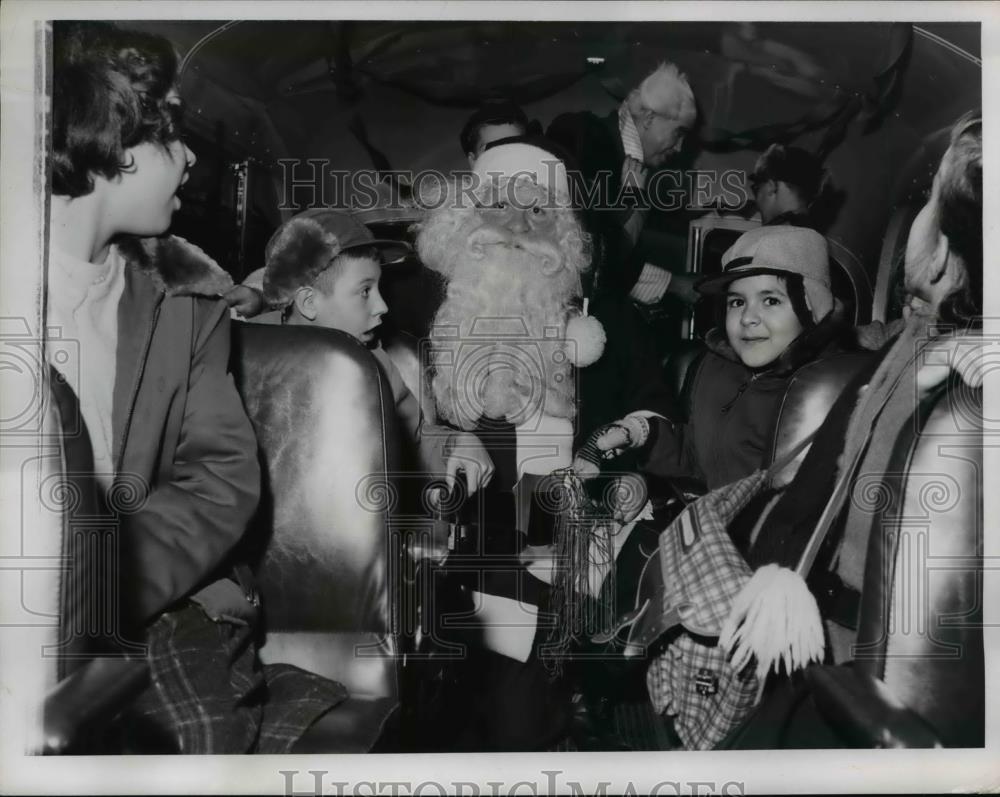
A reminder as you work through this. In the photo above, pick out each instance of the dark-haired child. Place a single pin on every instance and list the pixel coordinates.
(780, 315)
(157, 400)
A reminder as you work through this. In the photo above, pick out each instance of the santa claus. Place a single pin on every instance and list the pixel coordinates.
(512, 324)
(504, 355)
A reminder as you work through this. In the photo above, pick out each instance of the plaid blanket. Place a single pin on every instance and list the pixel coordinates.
(210, 695)
(702, 574)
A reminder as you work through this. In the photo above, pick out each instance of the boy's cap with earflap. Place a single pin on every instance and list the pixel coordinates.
(301, 249)
(779, 250)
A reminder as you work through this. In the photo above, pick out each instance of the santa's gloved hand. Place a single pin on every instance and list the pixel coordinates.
(466, 453)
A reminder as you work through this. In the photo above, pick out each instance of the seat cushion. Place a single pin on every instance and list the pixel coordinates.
(364, 662)
(352, 727)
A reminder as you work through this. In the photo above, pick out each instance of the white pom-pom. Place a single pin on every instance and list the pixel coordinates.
(775, 620)
(585, 339)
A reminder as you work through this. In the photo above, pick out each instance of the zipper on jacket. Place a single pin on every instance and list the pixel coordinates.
(739, 392)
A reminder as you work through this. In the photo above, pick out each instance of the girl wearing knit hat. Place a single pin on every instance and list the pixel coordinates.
(779, 315)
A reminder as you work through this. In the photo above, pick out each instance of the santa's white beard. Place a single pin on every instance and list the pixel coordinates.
(499, 336)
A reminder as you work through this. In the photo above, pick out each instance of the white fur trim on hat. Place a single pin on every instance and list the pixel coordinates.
(524, 160)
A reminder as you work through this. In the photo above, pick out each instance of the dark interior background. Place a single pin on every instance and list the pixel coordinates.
(270, 90)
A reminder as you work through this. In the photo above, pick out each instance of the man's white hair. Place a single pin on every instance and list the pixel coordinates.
(665, 91)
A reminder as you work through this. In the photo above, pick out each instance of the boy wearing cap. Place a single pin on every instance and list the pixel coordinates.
(323, 269)
(779, 315)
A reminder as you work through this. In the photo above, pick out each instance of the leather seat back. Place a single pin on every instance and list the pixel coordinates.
(679, 368)
(325, 426)
(921, 613)
(808, 399)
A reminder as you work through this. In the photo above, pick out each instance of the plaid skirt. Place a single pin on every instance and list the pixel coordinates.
(209, 693)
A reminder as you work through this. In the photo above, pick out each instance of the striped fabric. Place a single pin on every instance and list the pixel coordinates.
(691, 680)
(651, 285)
(653, 280)
(630, 135)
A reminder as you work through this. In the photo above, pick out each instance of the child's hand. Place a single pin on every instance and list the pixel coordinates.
(613, 441)
(630, 432)
(466, 453)
(245, 300)
(608, 442)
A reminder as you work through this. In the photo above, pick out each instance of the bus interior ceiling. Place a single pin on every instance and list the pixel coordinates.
(876, 98)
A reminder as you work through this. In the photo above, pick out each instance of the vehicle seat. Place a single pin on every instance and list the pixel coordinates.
(808, 399)
(326, 562)
(917, 678)
(679, 367)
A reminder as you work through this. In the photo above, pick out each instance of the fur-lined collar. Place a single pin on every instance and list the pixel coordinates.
(832, 330)
(177, 267)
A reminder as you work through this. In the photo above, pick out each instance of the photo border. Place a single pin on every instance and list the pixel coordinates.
(21, 253)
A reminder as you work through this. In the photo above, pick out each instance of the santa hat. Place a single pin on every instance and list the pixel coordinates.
(518, 160)
(780, 249)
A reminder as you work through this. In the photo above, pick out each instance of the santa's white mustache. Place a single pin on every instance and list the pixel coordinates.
(487, 235)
